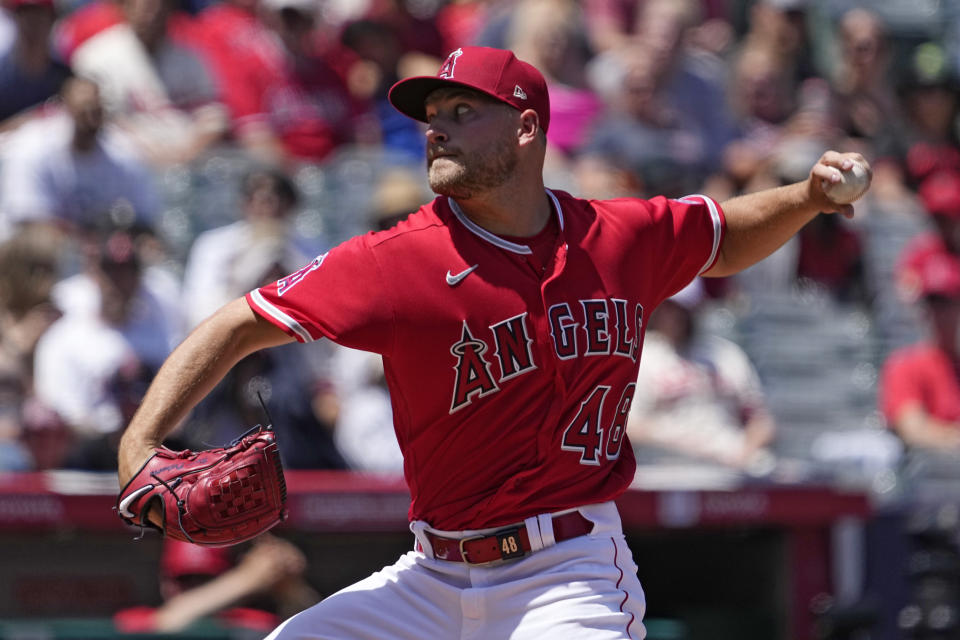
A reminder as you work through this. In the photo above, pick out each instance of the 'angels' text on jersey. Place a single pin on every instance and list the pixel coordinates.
(606, 326)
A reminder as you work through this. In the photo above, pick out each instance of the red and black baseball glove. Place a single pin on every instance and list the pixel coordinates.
(215, 498)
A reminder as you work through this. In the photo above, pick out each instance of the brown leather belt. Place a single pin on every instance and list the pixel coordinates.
(511, 542)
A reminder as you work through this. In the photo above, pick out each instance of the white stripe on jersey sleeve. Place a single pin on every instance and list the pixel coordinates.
(280, 316)
(715, 218)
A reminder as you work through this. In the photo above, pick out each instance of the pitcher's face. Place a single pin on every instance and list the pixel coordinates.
(471, 142)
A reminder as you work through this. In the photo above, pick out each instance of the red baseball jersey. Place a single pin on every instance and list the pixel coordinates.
(511, 380)
(923, 375)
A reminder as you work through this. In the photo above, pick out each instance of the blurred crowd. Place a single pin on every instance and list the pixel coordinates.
(161, 157)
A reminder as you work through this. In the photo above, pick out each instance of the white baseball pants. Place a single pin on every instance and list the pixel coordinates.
(585, 588)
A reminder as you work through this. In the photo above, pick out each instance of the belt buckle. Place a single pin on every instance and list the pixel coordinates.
(463, 551)
(508, 544)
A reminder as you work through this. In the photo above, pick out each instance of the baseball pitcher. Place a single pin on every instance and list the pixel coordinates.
(510, 318)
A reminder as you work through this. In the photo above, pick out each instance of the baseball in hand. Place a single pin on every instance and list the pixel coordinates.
(853, 183)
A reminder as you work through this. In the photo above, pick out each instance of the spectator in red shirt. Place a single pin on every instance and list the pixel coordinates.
(940, 195)
(251, 593)
(831, 255)
(244, 55)
(378, 61)
(287, 102)
(86, 21)
(920, 384)
(929, 99)
(159, 91)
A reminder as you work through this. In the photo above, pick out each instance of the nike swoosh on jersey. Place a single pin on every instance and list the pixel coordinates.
(454, 280)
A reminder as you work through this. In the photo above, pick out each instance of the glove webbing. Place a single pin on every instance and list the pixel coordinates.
(180, 509)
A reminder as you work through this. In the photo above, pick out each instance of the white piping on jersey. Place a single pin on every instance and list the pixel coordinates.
(494, 239)
(715, 218)
(279, 315)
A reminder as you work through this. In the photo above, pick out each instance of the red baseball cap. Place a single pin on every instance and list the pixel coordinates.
(940, 194)
(940, 276)
(182, 558)
(928, 269)
(495, 72)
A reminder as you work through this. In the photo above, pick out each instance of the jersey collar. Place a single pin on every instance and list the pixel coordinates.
(494, 239)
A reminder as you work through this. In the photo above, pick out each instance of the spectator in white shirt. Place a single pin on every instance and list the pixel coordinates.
(92, 368)
(66, 169)
(159, 91)
(219, 258)
(698, 396)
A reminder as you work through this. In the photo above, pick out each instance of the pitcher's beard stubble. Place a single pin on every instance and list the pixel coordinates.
(461, 175)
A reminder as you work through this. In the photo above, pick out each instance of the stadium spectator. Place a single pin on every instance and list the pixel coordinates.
(460, 22)
(761, 96)
(828, 254)
(45, 436)
(550, 36)
(280, 77)
(599, 176)
(364, 432)
(691, 89)
(87, 19)
(780, 27)
(831, 255)
(91, 366)
(84, 22)
(28, 73)
(399, 190)
(940, 196)
(417, 32)
(243, 55)
(141, 299)
(304, 415)
(159, 91)
(920, 386)
(28, 271)
(252, 593)
(221, 258)
(645, 134)
(66, 169)
(610, 23)
(929, 100)
(698, 396)
(864, 102)
(381, 62)
(293, 105)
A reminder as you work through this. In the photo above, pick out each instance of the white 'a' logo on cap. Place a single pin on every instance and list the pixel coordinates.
(446, 69)
(519, 93)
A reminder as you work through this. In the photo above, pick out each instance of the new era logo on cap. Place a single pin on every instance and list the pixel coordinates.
(495, 72)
